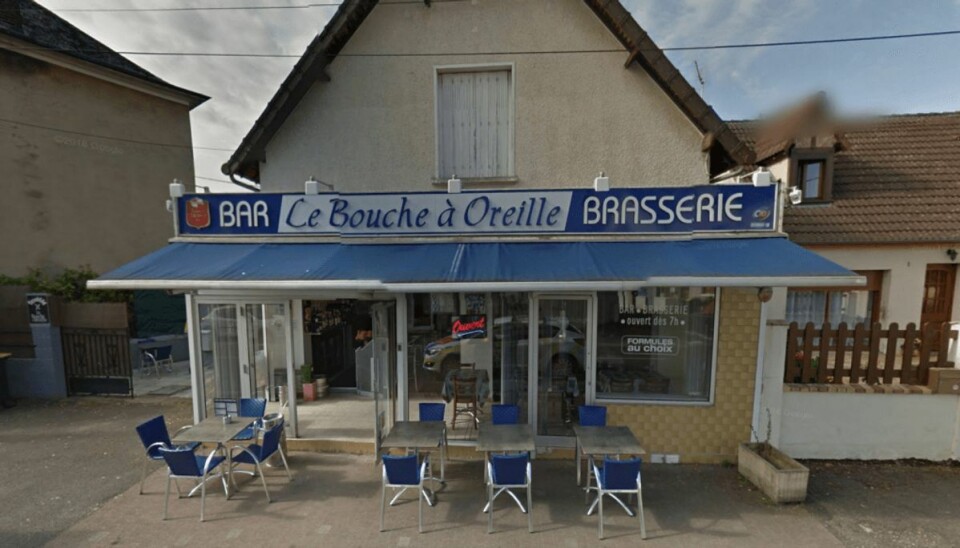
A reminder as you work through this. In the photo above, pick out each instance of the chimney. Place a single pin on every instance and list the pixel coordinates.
(10, 16)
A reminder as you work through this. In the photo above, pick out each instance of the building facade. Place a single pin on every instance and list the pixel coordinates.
(87, 139)
(88, 144)
(464, 186)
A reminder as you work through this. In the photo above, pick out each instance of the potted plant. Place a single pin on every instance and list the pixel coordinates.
(306, 377)
(780, 477)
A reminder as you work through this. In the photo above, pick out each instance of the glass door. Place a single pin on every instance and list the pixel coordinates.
(264, 368)
(244, 353)
(564, 344)
(220, 353)
(383, 370)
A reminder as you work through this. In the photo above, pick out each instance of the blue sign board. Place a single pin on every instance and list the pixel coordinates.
(676, 210)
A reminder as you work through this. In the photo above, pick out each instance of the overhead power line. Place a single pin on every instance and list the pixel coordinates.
(532, 52)
(234, 8)
(199, 8)
(110, 138)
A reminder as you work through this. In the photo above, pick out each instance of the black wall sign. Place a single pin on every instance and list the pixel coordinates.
(38, 305)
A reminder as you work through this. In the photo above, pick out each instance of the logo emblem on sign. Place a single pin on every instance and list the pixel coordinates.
(198, 213)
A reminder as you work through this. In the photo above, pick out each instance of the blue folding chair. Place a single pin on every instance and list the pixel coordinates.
(436, 412)
(185, 464)
(255, 455)
(505, 473)
(505, 414)
(155, 357)
(593, 415)
(620, 477)
(404, 473)
(251, 408)
(154, 435)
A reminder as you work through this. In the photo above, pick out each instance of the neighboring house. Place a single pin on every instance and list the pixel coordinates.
(881, 196)
(89, 143)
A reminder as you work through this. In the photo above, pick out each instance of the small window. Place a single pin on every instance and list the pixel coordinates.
(811, 171)
(810, 178)
(475, 124)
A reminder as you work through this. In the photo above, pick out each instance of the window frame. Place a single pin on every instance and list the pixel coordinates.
(711, 400)
(874, 287)
(511, 176)
(801, 157)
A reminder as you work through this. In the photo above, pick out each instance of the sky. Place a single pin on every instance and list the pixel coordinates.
(883, 77)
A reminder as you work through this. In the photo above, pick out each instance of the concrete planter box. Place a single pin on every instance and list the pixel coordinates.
(780, 477)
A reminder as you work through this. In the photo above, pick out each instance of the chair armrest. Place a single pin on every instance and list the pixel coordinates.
(596, 474)
(424, 466)
(182, 429)
(154, 445)
(241, 449)
(206, 465)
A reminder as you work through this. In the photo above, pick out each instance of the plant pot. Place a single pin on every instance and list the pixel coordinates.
(309, 391)
(780, 477)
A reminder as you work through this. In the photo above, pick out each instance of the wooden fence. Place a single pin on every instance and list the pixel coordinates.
(866, 353)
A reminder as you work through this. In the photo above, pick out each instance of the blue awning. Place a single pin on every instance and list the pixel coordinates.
(478, 266)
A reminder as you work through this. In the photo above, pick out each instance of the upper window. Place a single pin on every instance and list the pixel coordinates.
(811, 170)
(810, 178)
(475, 123)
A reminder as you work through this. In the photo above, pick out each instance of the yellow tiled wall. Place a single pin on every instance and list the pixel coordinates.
(708, 434)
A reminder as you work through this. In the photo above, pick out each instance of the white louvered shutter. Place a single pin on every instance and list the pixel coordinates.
(475, 124)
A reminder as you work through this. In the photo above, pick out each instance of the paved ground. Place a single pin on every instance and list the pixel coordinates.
(334, 499)
(64, 459)
(71, 468)
(895, 504)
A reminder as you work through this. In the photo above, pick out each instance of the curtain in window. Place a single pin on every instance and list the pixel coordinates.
(806, 306)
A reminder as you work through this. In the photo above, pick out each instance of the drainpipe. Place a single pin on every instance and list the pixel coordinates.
(758, 381)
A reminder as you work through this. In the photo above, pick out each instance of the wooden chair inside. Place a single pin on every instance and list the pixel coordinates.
(465, 399)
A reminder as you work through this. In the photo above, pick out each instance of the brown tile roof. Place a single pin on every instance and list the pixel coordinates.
(897, 180)
(28, 21)
(639, 48)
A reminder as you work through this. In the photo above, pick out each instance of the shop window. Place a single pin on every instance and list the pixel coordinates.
(836, 305)
(811, 170)
(475, 123)
(656, 344)
(484, 333)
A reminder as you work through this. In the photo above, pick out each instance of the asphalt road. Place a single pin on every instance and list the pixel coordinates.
(872, 504)
(61, 460)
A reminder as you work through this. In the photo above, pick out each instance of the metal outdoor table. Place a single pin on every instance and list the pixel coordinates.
(604, 440)
(419, 435)
(214, 430)
(504, 438)
(496, 438)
